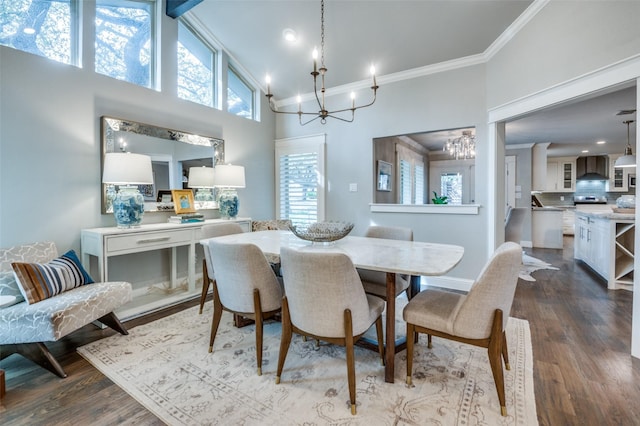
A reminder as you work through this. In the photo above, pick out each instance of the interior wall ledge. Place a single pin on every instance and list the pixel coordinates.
(425, 208)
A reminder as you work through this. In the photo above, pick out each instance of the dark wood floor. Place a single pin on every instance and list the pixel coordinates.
(582, 370)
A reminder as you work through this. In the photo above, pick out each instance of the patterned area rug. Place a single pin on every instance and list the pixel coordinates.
(530, 264)
(166, 367)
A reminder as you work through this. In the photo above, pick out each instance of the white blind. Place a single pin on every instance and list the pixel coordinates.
(300, 179)
(419, 180)
(405, 182)
(299, 188)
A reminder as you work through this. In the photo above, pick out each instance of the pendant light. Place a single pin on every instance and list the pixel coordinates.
(628, 159)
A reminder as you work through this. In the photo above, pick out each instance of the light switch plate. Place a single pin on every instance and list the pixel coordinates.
(353, 187)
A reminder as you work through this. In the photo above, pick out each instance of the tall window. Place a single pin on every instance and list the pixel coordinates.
(240, 96)
(300, 188)
(42, 27)
(196, 64)
(451, 187)
(124, 40)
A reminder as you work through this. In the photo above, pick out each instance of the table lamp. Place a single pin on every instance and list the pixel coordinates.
(228, 177)
(201, 178)
(126, 170)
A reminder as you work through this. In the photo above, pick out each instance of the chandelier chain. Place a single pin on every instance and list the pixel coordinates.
(322, 33)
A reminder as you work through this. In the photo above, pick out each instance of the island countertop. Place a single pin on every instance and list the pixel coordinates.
(607, 215)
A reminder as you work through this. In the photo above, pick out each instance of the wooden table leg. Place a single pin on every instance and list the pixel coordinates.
(390, 340)
(3, 389)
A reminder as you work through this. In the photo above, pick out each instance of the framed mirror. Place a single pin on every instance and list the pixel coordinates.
(410, 168)
(172, 152)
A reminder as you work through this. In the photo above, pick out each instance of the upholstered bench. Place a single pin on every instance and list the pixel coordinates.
(24, 327)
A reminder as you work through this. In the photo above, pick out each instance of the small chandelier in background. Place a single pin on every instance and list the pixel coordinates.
(462, 147)
(323, 113)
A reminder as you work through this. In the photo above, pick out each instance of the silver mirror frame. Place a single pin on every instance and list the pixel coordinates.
(110, 125)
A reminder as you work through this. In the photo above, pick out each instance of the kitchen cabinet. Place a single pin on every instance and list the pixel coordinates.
(618, 178)
(561, 174)
(605, 242)
(546, 227)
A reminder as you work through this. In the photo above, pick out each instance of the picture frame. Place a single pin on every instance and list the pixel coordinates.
(385, 175)
(183, 201)
(164, 196)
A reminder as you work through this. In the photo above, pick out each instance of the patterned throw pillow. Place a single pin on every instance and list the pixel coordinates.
(38, 281)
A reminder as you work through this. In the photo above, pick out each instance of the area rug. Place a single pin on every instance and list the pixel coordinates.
(165, 365)
(530, 264)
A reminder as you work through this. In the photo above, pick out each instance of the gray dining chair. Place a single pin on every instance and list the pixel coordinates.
(244, 285)
(211, 231)
(324, 300)
(375, 282)
(478, 318)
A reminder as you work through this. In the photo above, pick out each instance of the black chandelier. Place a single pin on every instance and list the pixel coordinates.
(323, 113)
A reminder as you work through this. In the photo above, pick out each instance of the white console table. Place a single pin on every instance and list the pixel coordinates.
(104, 243)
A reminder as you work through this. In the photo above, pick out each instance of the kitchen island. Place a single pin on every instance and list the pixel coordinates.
(546, 226)
(605, 242)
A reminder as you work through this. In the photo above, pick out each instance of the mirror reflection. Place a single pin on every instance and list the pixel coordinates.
(421, 168)
(173, 153)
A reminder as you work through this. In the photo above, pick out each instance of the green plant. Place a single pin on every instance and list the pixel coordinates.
(439, 200)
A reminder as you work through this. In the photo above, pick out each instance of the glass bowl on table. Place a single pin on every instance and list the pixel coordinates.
(322, 232)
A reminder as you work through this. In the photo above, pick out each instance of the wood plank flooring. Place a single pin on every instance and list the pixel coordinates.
(581, 335)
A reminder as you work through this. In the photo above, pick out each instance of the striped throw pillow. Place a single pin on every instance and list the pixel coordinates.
(38, 281)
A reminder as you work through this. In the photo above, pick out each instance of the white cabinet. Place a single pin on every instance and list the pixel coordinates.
(607, 246)
(546, 227)
(561, 174)
(618, 178)
(105, 243)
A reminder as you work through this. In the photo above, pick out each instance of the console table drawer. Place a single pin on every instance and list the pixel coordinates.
(148, 240)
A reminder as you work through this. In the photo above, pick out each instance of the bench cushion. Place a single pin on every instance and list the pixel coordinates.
(53, 318)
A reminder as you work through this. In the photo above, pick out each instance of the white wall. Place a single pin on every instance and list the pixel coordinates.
(441, 101)
(565, 40)
(50, 176)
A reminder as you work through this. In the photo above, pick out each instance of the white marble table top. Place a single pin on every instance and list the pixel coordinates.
(377, 254)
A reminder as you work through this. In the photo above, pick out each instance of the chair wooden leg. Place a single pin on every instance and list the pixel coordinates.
(380, 336)
(285, 338)
(351, 365)
(3, 388)
(257, 307)
(411, 330)
(429, 342)
(112, 321)
(205, 285)
(37, 353)
(495, 353)
(217, 315)
(505, 351)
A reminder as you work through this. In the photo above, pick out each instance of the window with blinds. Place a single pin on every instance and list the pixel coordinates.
(411, 176)
(300, 180)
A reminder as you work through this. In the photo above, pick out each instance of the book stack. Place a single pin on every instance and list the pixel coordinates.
(187, 218)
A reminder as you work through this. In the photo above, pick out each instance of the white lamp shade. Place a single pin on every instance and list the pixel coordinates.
(124, 168)
(625, 161)
(229, 176)
(200, 177)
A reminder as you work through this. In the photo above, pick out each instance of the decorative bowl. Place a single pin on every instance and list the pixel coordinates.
(322, 232)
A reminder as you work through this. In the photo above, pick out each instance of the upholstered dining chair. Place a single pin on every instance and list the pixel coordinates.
(375, 282)
(478, 318)
(514, 224)
(211, 231)
(245, 285)
(324, 300)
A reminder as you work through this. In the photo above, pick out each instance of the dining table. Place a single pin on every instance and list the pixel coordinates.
(393, 257)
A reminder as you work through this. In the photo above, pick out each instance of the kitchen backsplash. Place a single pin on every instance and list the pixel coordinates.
(566, 198)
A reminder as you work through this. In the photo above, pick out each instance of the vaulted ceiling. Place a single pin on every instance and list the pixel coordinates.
(398, 36)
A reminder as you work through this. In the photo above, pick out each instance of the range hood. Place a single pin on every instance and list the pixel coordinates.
(595, 167)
